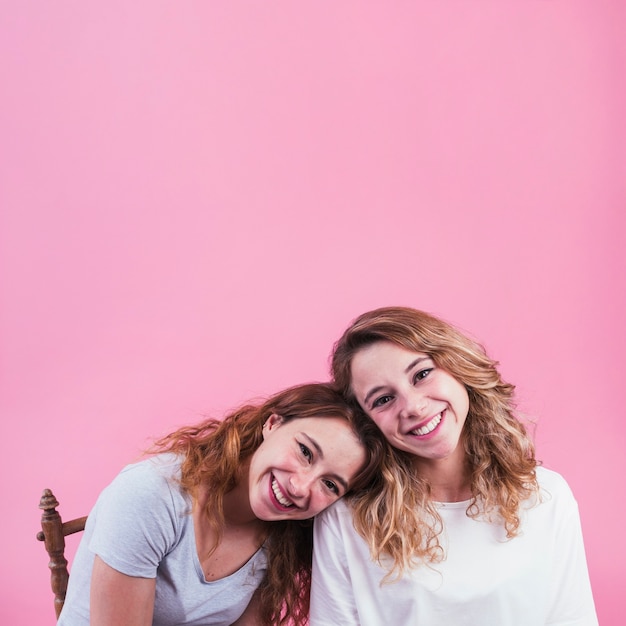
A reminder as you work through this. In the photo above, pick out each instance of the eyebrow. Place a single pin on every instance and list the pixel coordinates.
(411, 365)
(416, 362)
(320, 453)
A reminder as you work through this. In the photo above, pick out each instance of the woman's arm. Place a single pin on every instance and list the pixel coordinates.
(118, 599)
(572, 600)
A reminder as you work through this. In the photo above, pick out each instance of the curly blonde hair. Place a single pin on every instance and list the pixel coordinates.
(213, 452)
(398, 518)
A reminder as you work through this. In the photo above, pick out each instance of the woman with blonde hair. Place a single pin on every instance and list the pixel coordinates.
(215, 527)
(464, 527)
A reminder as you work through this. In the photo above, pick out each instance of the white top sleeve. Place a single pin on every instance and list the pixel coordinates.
(333, 599)
(570, 589)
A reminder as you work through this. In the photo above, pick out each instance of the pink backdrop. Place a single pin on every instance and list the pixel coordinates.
(197, 197)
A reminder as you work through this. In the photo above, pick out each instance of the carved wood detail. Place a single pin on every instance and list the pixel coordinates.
(53, 533)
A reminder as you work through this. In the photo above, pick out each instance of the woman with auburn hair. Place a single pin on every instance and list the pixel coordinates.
(215, 528)
(464, 527)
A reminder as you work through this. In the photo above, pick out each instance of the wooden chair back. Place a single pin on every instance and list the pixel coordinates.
(53, 533)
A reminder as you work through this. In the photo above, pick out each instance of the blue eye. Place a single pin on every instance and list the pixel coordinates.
(422, 374)
(306, 453)
(331, 485)
(381, 401)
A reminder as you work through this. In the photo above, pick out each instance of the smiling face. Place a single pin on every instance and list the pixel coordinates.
(302, 466)
(419, 407)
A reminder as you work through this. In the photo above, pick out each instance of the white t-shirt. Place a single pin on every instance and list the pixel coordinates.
(537, 578)
(142, 526)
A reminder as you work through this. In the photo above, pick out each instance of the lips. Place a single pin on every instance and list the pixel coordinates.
(428, 427)
(280, 496)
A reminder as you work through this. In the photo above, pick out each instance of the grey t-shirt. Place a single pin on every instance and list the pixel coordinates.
(142, 526)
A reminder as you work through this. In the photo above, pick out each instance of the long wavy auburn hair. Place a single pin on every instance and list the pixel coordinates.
(214, 452)
(398, 518)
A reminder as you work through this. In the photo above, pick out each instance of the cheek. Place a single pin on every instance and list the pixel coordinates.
(463, 402)
(383, 422)
(322, 501)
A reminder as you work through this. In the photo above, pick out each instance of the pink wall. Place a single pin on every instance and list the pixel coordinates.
(197, 197)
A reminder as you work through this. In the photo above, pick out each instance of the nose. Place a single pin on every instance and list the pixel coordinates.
(415, 405)
(300, 484)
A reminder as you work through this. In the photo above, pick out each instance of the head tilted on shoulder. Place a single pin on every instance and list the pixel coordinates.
(274, 447)
(215, 450)
(314, 451)
(323, 401)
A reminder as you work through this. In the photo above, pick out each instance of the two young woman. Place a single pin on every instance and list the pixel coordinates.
(463, 526)
(215, 527)
(456, 524)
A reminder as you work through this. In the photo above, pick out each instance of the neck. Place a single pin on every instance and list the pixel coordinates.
(241, 534)
(449, 478)
(235, 503)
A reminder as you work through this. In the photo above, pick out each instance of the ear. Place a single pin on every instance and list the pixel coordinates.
(272, 422)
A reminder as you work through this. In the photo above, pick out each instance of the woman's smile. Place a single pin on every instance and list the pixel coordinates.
(429, 427)
(302, 466)
(418, 406)
(282, 502)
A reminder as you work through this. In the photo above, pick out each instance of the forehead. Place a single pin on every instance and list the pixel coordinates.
(318, 425)
(382, 357)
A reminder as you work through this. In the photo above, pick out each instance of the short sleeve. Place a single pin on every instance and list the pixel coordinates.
(332, 595)
(572, 599)
(137, 518)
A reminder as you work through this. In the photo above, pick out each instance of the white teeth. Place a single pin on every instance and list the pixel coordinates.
(279, 495)
(427, 428)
